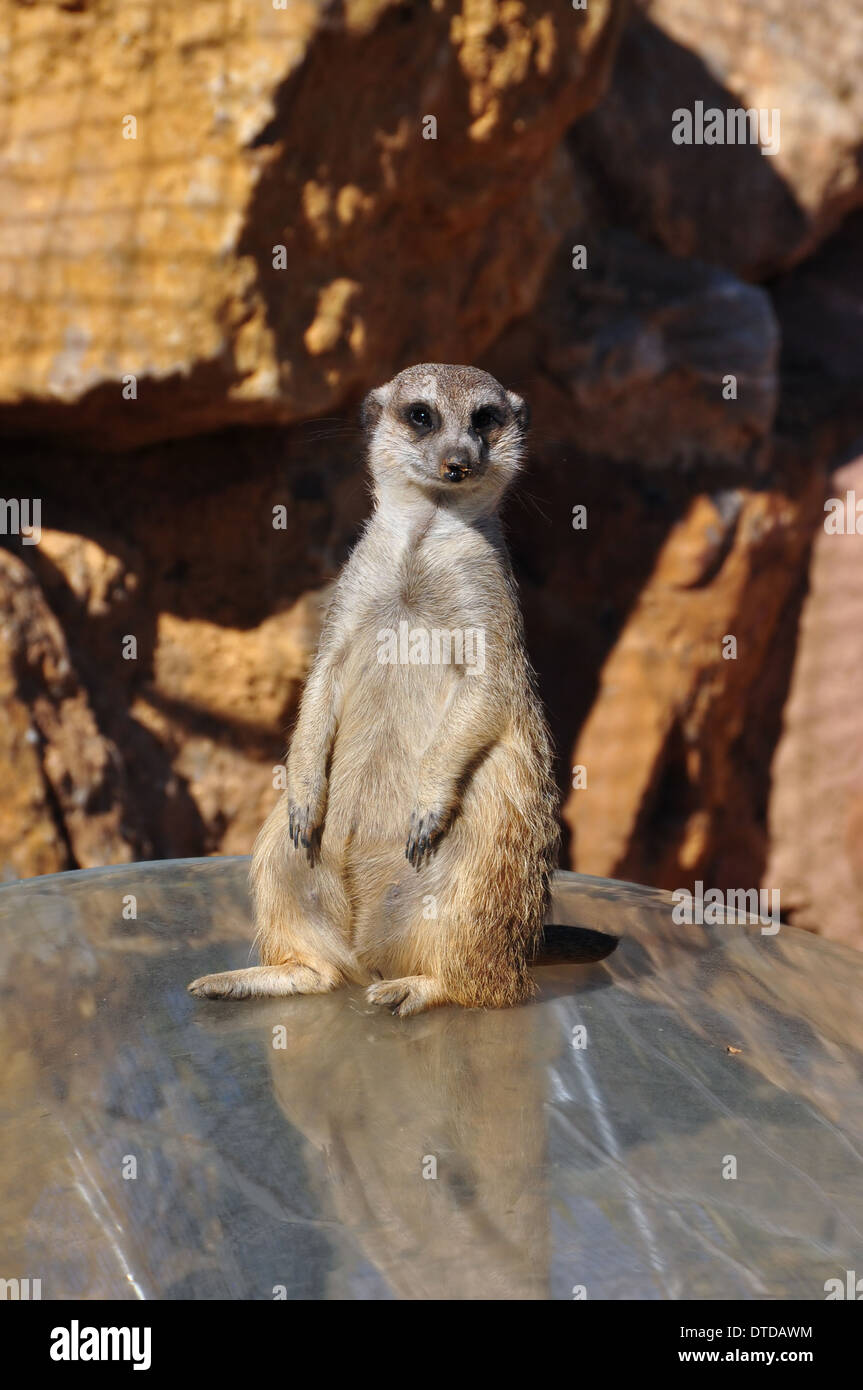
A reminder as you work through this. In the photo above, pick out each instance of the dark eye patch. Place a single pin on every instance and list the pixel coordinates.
(421, 416)
(487, 417)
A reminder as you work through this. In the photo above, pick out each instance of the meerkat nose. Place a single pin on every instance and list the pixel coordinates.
(454, 468)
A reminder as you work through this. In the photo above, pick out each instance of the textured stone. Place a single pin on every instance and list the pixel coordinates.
(156, 257)
(816, 801)
(659, 741)
(61, 805)
(819, 306)
(665, 361)
(224, 606)
(729, 204)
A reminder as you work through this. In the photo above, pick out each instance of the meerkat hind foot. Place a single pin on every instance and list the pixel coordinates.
(264, 982)
(410, 995)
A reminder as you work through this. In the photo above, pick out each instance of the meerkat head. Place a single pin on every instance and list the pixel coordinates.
(452, 432)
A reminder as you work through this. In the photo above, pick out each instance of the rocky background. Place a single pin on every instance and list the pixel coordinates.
(221, 223)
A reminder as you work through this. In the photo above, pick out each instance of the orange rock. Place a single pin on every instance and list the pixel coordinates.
(213, 215)
(816, 801)
(62, 807)
(701, 200)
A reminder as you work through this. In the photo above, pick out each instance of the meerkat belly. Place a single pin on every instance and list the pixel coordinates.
(390, 711)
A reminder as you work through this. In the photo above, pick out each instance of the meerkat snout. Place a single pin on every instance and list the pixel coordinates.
(456, 466)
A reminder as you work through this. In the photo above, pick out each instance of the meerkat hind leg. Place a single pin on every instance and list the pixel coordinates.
(266, 981)
(410, 995)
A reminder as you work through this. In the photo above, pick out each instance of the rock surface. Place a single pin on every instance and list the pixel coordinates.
(659, 745)
(701, 199)
(816, 800)
(156, 158)
(62, 803)
(665, 361)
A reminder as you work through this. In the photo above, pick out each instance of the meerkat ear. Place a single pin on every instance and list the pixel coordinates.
(370, 410)
(521, 411)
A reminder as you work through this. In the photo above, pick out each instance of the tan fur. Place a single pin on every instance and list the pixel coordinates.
(447, 764)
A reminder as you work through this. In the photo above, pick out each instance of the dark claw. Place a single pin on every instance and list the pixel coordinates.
(298, 823)
(424, 833)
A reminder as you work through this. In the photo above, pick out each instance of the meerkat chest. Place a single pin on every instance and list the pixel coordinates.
(428, 611)
(443, 584)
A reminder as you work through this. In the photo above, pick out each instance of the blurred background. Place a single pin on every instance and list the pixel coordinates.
(223, 221)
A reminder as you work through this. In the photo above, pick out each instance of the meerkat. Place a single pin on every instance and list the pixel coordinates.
(413, 848)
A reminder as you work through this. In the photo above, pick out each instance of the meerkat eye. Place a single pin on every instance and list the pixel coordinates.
(485, 418)
(420, 416)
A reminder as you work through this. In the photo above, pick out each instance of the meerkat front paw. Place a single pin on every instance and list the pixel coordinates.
(411, 995)
(426, 829)
(306, 802)
(303, 824)
(307, 799)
